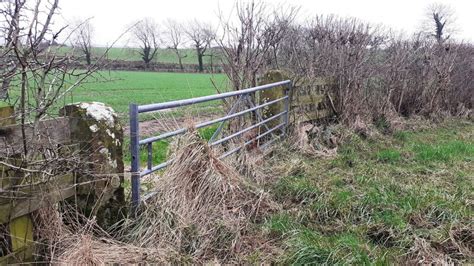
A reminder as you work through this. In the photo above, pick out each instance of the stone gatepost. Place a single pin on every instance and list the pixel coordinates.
(99, 134)
(268, 95)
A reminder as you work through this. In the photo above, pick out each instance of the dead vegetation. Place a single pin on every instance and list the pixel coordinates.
(64, 240)
(205, 211)
(376, 75)
(203, 208)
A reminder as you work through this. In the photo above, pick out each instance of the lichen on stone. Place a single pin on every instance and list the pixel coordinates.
(99, 112)
(110, 133)
(94, 128)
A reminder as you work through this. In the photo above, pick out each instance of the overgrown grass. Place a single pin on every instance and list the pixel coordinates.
(448, 151)
(379, 198)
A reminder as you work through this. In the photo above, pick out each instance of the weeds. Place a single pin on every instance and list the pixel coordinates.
(399, 198)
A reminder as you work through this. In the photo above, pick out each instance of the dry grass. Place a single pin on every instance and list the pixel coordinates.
(88, 250)
(65, 241)
(203, 209)
(204, 212)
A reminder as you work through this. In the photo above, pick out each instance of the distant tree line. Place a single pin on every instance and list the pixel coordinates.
(377, 73)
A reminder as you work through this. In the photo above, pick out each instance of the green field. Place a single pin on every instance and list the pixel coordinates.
(132, 54)
(120, 88)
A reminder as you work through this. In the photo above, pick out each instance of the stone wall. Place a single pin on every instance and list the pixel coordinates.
(88, 132)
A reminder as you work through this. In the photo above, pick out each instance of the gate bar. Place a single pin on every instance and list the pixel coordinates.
(208, 123)
(165, 164)
(231, 111)
(250, 141)
(179, 103)
(247, 129)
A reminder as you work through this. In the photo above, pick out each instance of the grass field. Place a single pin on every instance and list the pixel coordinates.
(403, 198)
(120, 88)
(132, 54)
(124, 87)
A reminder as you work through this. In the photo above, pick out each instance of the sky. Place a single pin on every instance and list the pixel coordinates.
(112, 17)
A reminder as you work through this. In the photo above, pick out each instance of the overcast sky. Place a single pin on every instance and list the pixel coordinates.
(111, 17)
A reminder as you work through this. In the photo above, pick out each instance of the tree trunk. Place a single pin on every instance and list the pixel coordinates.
(146, 56)
(180, 59)
(88, 59)
(200, 55)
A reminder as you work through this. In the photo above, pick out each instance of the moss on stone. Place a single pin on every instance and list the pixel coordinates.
(268, 95)
(100, 138)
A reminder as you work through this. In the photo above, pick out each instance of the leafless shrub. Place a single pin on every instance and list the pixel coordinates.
(428, 78)
(377, 76)
(251, 40)
(38, 78)
(341, 50)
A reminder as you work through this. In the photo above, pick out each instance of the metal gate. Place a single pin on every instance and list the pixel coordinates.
(243, 96)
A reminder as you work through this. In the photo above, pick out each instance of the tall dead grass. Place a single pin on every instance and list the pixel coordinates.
(203, 209)
(63, 240)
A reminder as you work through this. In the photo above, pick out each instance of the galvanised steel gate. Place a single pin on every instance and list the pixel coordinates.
(243, 96)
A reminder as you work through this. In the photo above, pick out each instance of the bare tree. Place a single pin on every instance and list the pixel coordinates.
(10, 23)
(82, 38)
(251, 40)
(40, 75)
(201, 35)
(439, 22)
(145, 33)
(175, 38)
